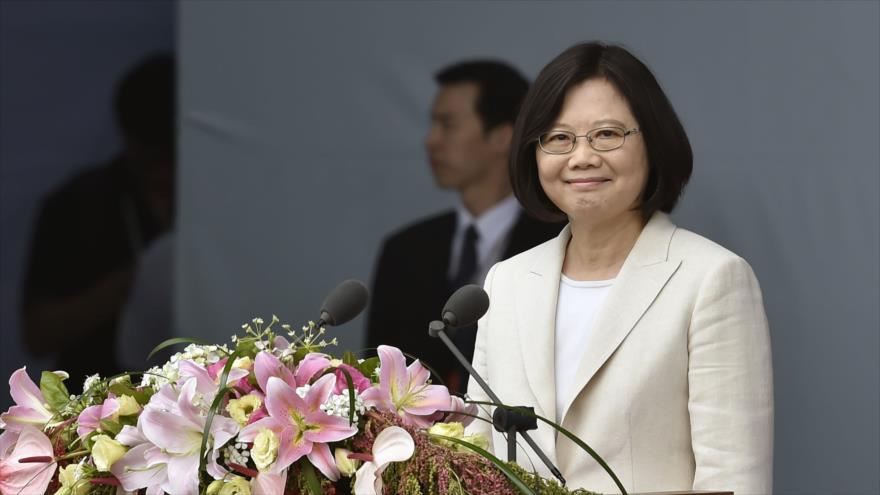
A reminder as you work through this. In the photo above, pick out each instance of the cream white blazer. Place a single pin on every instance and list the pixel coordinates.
(675, 386)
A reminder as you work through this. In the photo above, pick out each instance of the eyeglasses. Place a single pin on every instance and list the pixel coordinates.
(601, 139)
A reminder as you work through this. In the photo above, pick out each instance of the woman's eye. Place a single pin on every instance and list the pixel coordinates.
(607, 134)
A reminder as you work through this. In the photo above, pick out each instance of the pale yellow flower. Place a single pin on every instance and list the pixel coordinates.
(70, 482)
(241, 409)
(345, 465)
(454, 430)
(106, 451)
(234, 485)
(265, 449)
(478, 440)
(244, 363)
(127, 405)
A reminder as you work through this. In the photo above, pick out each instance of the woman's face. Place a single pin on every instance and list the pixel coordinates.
(589, 185)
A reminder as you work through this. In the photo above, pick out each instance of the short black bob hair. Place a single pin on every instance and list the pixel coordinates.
(670, 159)
(501, 88)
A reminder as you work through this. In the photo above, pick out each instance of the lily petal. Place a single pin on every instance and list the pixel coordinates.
(321, 458)
(266, 365)
(312, 364)
(134, 471)
(428, 400)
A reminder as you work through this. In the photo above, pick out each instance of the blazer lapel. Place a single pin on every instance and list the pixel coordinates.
(641, 278)
(536, 295)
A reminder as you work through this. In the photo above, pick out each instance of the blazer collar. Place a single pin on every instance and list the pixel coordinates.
(644, 273)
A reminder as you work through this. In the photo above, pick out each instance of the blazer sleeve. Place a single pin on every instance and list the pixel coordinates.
(730, 383)
(483, 424)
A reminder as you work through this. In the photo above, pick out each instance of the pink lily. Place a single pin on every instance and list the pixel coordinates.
(301, 426)
(269, 482)
(458, 406)
(25, 477)
(310, 366)
(90, 419)
(393, 444)
(144, 465)
(404, 390)
(30, 408)
(177, 434)
(207, 379)
(267, 365)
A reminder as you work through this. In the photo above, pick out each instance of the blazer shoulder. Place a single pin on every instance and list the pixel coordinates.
(695, 248)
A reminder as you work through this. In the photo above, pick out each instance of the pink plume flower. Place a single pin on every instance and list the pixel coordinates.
(404, 390)
(25, 477)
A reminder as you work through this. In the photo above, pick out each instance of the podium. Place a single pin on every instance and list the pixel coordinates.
(688, 492)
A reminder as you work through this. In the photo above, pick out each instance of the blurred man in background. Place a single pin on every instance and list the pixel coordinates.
(91, 230)
(422, 264)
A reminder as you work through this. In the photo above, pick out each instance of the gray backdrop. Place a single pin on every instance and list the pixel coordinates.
(59, 62)
(302, 126)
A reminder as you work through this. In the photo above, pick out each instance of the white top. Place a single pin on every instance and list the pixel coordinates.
(576, 308)
(493, 227)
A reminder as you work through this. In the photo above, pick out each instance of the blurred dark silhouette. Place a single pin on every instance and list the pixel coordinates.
(421, 265)
(91, 230)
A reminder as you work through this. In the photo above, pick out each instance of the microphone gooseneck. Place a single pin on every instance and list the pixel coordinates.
(467, 305)
(344, 303)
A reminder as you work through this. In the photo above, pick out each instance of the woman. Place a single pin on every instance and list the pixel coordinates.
(645, 340)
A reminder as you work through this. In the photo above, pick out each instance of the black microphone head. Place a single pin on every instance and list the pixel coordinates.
(465, 306)
(344, 302)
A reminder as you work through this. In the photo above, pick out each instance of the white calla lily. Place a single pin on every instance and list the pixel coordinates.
(393, 444)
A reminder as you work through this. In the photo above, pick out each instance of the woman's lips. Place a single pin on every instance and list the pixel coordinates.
(589, 183)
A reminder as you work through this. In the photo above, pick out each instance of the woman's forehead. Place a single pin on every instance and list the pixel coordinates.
(594, 103)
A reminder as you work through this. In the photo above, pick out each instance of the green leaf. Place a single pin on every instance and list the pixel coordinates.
(368, 367)
(312, 482)
(141, 396)
(350, 359)
(218, 399)
(580, 443)
(54, 391)
(111, 427)
(175, 341)
(501, 465)
(350, 383)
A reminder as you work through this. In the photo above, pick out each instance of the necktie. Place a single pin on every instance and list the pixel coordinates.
(465, 337)
(467, 263)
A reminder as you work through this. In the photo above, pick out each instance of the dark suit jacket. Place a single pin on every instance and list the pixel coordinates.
(410, 284)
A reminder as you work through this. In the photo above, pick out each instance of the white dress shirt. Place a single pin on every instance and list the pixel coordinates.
(493, 227)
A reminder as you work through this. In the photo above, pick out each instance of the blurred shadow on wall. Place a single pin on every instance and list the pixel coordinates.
(100, 260)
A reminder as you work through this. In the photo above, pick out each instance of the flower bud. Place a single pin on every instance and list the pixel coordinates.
(127, 405)
(244, 363)
(345, 465)
(106, 451)
(265, 449)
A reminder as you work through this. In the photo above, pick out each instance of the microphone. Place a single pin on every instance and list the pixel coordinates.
(464, 307)
(343, 303)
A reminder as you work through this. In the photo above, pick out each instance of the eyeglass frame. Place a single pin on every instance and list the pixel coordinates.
(634, 130)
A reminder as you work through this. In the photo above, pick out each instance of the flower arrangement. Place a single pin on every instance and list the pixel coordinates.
(272, 414)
